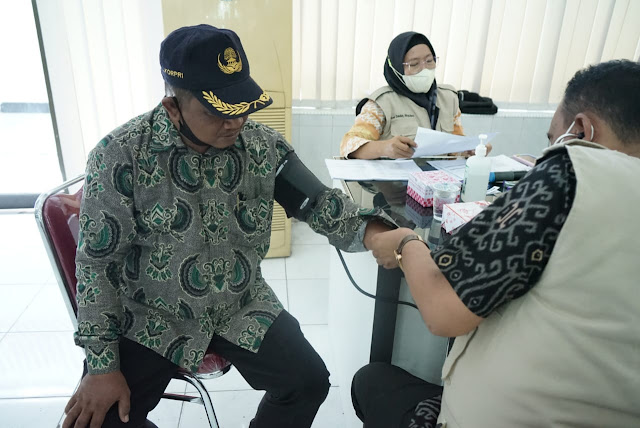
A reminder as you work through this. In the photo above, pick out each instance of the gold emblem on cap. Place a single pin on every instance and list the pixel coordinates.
(234, 109)
(234, 62)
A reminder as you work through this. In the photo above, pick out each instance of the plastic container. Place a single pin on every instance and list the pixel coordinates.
(443, 193)
(420, 185)
(476, 174)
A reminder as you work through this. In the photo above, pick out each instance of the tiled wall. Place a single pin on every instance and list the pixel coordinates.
(316, 134)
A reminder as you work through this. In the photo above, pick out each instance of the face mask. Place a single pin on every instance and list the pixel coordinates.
(570, 134)
(418, 83)
(186, 131)
(421, 82)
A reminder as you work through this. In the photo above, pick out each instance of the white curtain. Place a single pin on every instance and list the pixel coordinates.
(102, 60)
(516, 51)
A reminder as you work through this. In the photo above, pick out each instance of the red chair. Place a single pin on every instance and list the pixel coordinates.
(57, 216)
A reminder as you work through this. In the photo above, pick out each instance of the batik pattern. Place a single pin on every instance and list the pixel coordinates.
(171, 241)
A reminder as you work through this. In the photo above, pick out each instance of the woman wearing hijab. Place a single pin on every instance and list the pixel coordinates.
(387, 121)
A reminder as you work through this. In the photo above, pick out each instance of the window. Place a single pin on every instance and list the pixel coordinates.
(517, 51)
(28, 156)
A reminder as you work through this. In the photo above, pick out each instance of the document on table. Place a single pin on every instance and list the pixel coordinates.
(374, 170)
(432, 142)
(500, 163)
(503, 163)
(454, 167)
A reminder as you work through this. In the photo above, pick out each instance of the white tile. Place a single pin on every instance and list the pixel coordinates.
(533, 138)
(23, 259)
(302, 234)
(47, 312)
(316, 120)
(330, 414)
(24, 266)
(234, 409)
(337, 134)
(19, 232)
(295, 136)
(50, 281)
(309, 300)
(39, 365)
(308, 262)
(166, 414)
(32, 412)
(273, 269)
(508, 140)
(315, 146)
(318, 337)
(295, 120)
(231, 381)
(176, 386)
(476, 124)
(14, 300)
(344, 120)
(279, 286)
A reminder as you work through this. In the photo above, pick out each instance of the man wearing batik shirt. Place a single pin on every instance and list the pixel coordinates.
(175, 221)
(541, 289)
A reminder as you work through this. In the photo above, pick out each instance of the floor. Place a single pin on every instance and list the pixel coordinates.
(40, 366)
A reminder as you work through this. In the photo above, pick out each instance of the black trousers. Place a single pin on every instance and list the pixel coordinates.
(386, 396)
(286, 366)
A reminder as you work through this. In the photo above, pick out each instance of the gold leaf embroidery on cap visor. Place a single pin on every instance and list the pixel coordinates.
(233, 109)
(234, 63)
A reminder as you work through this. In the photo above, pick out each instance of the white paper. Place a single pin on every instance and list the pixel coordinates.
(503, 163)
(376, 170)
(500, 163)
(431, 143)
(452, 167)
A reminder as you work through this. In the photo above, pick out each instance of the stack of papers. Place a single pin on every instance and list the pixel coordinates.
(500, 163)
(371, 170)
(503, 163)
(452, 167)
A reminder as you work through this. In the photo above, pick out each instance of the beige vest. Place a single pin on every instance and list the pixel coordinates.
(404, 116)
(567, 353)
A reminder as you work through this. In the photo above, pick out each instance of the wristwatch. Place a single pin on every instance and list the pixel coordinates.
(398, 252)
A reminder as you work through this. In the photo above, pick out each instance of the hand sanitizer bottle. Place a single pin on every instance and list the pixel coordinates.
(476, 174)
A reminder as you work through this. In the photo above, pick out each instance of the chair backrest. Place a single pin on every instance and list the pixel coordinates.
(57, 215)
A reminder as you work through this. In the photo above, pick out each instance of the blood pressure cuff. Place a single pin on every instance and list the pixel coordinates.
(296, 187)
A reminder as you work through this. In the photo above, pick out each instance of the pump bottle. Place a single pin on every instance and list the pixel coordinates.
(476, 174)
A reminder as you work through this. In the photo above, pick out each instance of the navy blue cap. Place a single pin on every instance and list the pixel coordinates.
(210, 63)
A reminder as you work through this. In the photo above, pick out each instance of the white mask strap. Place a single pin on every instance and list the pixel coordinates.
(566, 134)
(400, 76)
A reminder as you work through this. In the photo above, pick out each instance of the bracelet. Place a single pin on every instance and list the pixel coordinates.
(398, 252)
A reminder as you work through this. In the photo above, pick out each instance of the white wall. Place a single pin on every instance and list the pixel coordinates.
(316, 134)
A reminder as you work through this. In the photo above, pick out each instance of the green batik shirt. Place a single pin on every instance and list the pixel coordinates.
(171, 241)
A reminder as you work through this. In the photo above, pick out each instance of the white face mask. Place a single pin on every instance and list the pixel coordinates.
(421, 82)
(570, 134)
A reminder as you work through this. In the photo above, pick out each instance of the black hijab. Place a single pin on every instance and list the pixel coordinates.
(398, 48)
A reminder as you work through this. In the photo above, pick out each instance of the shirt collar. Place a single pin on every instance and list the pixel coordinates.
(163, 132)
